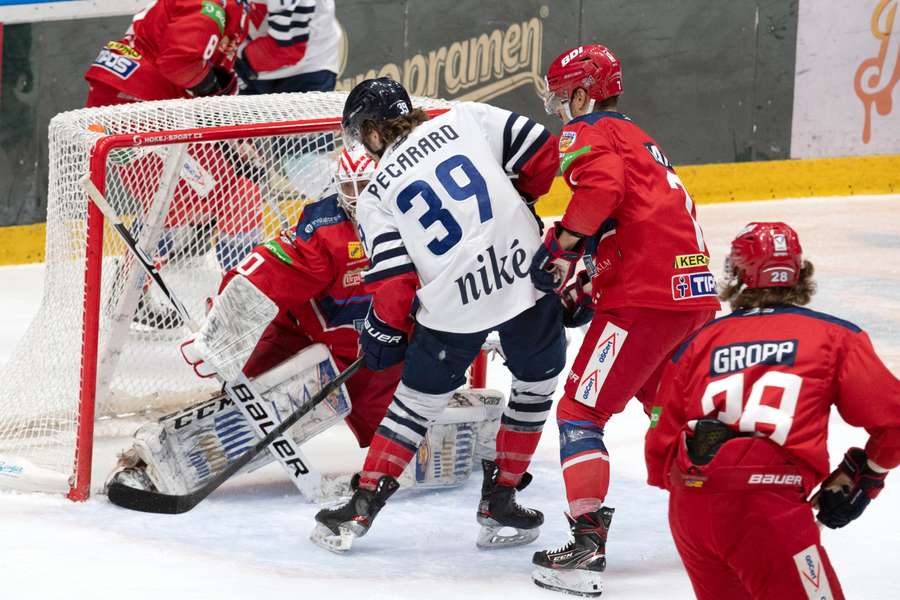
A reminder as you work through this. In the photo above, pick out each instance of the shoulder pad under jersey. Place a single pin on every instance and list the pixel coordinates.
(321, 213)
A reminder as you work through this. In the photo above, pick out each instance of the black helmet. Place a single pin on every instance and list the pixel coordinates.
(373, 100)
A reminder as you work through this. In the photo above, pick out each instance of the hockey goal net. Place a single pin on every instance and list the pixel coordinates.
(199, 183)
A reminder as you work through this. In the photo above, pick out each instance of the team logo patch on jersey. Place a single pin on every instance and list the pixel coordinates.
(566, 140)
(686, 261)
(353, 278)
(355, 250)
(693, 285)
(600, 364)
(120, 66)
(812, 574)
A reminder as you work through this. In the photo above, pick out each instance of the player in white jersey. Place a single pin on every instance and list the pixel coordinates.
(447, 222)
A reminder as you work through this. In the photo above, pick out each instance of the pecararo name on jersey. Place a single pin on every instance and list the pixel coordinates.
(410, 157)
(740, 356)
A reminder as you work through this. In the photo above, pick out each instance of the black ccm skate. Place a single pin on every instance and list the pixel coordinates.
(336, 528)
(576, 567)
(498, 510)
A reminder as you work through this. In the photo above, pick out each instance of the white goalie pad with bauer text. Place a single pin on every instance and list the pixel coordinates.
(184, 449)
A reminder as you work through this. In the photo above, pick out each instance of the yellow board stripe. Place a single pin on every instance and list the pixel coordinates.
(708, 184)
(770, 180)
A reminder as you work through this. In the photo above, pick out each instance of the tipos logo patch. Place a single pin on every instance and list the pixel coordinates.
(600, 364)
(693, 285)
(812, 574)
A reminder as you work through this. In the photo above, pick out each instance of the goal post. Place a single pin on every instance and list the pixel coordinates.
(199, 182)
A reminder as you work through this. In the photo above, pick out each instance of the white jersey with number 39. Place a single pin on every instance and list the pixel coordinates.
(441, 203)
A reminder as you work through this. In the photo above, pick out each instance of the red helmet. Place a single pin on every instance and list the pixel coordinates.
(765, 255)
(593, 68)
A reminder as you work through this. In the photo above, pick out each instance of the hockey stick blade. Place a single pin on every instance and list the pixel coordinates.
(174, 504)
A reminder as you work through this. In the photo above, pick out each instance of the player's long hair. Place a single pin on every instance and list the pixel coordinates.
(741, 297)
(393, 130)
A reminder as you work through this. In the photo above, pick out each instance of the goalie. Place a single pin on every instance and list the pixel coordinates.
(288, 317)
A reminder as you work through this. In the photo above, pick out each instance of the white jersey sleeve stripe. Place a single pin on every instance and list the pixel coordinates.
(534, 139)
(289, 21)
(521, 138)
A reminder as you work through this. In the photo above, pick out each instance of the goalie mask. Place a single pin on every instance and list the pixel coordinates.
(765, 255)
(354, 170)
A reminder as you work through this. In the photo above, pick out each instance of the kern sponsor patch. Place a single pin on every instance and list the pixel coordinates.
(693, 285)
(600, 364)
(355, 250)
(743, 355)
(566, 140)
(812, 574)
(686, 261)
(120, 66)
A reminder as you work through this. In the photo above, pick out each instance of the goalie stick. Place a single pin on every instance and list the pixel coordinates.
(173, 504)
(284, 449)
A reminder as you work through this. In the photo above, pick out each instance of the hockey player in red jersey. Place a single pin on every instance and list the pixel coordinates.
(183, 49)
(646, 287)
(173, 49)
(739, 429)
(313, 275)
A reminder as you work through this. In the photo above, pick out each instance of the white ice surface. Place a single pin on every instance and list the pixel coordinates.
(249, 540)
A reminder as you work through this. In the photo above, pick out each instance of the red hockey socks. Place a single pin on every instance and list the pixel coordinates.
(585, 465)
(521, 426)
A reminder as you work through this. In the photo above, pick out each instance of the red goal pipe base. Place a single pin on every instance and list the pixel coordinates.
(478, 371)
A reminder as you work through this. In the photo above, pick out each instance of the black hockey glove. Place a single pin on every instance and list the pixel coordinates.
(577, 303)
(382, 345)
(552, 266)
(218, 82)
(244, 70)
(846, 493)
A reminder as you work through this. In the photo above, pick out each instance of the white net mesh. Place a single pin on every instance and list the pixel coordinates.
(197, 208)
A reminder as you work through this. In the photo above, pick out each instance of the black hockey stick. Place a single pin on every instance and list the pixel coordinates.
(241, 391)
(172, 504)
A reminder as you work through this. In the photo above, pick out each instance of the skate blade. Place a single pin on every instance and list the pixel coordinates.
(491, 538)
(325, 538)
(577, 582)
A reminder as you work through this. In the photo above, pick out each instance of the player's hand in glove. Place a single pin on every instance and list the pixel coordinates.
(382, 345)
(552, 265)
(577, 303)
(218, 82)
(848, 490)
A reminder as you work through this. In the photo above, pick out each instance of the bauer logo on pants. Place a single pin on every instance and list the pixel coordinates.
(812, 574)
(600, 364)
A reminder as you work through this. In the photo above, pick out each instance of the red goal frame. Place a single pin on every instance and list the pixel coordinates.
(80, 481)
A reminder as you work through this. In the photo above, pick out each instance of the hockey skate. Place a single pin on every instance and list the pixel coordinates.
(576, 567)
(338, 527)
(498, 510)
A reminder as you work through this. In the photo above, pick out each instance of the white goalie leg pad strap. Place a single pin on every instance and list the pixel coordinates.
(183, 449)
(234, 326)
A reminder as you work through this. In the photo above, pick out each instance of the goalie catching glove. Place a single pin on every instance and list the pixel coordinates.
(846, 493)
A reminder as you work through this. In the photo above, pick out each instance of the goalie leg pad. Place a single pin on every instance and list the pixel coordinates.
(184, 449)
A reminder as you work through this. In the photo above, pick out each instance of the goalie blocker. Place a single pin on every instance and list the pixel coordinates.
(181, 451)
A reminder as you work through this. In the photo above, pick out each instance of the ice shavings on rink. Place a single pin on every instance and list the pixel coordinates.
(249, 540)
